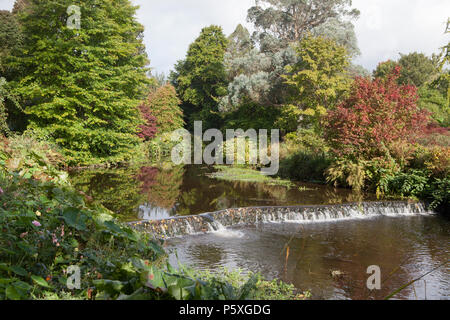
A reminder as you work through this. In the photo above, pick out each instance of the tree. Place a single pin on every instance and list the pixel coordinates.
(200, 79)
(384, 69)
(318, 78)
(20, 5)
(342, 32)
(162, 109)
(10, 37)
(239, 43)
(290, 20)
(417, 69)
(435, 101)
(378, 113)
(83, 86)
(278, 24)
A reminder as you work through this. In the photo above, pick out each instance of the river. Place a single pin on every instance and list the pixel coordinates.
(328, 258)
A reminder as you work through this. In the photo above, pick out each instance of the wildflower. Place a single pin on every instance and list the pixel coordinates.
(36, 223)
(23, 235)
(38, 213)
(1, 191)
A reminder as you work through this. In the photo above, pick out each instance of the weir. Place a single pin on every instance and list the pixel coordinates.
(215, 221)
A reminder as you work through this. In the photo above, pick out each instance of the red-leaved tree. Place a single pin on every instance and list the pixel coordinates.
(378, 113)
(149, 129)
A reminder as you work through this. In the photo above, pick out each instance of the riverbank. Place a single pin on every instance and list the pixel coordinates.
(49, 226)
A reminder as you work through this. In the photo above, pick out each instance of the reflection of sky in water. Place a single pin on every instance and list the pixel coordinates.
(150, 212)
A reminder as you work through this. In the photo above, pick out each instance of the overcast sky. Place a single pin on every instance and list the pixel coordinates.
(385, 28)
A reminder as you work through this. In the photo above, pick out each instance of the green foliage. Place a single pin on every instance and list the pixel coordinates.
(200, 79)
(348, 173)
(384, 69)
(265, 290)
(285, 118)
(434, 101)
(48, 226)
(439, 194)
(290, 20)
(10, 37)
(318, 78)
(83, 86)
(32, 156)
(411, 183)
(255, 69)
(304, 157)
(230, 173)
(8, 105)
(416, 69)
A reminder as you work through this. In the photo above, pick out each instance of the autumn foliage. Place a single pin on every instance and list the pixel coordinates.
(378, 113)
(161, 113)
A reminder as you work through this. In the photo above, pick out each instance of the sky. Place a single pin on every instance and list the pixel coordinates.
(384, 29)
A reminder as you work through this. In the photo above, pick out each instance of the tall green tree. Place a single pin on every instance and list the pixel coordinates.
(318, 78)
(10, 37)
(277, 25)
(201, 79)
(417, 69)
(83, 86)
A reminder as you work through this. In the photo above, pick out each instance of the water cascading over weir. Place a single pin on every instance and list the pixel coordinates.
(210, 222)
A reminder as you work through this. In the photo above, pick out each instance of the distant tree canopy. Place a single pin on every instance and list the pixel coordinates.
(83, 86)
(429, 75)
(256, 71)
(318, 78)
(376, 114)
(200, 79)
(416, 69)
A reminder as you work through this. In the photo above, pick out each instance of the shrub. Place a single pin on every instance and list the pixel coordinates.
(378, 113)
(163, 106)
(348, 173)
(149, 129)
(304, 157)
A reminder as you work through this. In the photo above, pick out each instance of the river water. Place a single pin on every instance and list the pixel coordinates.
(303, 254)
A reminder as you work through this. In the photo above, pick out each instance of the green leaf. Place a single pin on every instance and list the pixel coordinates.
(12, 293)
(75, 218)
(19, 270)
(40, 281)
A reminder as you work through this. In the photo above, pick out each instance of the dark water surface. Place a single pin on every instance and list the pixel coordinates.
(410, 246)
(150, 193)
(415, 244)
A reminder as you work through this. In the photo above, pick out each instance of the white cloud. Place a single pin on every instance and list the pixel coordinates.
(386, 27)
(401, 26)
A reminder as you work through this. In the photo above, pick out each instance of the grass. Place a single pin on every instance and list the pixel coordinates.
(230, 173)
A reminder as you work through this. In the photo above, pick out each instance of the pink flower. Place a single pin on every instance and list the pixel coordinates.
(1, 191)
(36, 223)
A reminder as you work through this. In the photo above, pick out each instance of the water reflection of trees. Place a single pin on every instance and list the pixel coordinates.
(124, 190)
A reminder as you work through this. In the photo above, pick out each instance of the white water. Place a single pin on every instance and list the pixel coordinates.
(317, 215)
